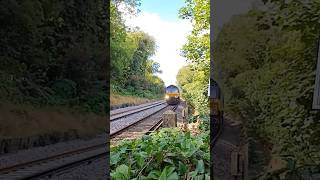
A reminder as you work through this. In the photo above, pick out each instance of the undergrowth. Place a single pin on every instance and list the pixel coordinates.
(167, 154)
(136, 92)
(117, 99)
(26, 120)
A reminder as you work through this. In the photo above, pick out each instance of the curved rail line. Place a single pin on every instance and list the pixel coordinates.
(18, 170)
(113, 134)
(155, 127)
(49, 172)
(54, 164)
(52, 171)
(131, 108)
(134, 111)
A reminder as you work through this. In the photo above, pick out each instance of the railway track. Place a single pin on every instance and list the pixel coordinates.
(122, 122)
(158, 124)
(49, 166)
(147, 125)
(132, 108)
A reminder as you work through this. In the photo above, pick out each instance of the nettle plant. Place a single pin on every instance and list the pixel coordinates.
(167, 154)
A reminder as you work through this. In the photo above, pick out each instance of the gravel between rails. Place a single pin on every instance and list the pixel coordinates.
(131, 119)
(47, 151)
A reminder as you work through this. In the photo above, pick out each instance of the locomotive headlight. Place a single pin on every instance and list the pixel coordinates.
(166, 97)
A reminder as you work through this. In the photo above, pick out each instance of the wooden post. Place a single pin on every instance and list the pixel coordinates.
(184, 118)
(186, 111)
(169, 119)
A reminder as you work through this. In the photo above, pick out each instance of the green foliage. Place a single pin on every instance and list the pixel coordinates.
(205, 123)
(301, 15)
(53, 52)
(193, 85)
(265, 63)
(167, 154)
(293, 172)
(268, 79)
(193, 79)
(132, 72)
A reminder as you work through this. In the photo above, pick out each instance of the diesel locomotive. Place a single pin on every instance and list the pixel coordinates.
(172, 96)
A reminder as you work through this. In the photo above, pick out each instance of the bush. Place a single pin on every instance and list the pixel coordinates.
(167, 154)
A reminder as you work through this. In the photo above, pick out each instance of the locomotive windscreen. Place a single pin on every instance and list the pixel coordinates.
(172, 89)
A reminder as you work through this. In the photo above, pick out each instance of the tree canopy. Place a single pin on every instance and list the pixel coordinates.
(54, 53)
(132, 70)
(194, 78)
(268, 75)
(265, 61)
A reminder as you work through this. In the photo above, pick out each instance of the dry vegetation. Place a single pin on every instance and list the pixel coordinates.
(25, 120)
(116, 100)
(19, 121)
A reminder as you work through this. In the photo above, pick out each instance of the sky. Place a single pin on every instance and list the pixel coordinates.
(159, 18)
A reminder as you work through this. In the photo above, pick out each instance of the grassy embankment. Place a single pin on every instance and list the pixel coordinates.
(25, 120)
(119, 100)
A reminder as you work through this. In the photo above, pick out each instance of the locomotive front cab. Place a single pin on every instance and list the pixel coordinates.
(172, 96)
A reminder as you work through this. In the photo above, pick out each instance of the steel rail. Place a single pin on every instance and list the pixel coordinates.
(134, 111)
(38, 162)
(112, 135)
(51, 171)
(42, 160)
(159, 123)
(131, 108)
(70, 164)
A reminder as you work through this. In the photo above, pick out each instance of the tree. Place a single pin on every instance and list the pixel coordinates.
(185, 76)
(51, 50)
(197, 52)
(132, 71)
(268, 81)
